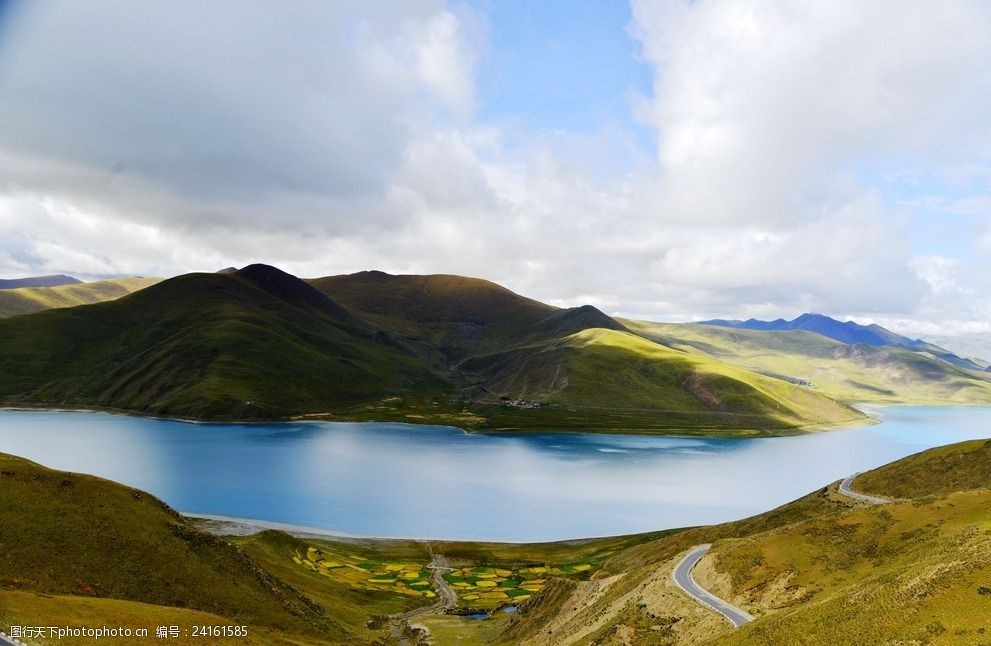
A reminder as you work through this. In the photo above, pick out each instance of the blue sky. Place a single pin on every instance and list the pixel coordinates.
(561, 65)
(669, 159)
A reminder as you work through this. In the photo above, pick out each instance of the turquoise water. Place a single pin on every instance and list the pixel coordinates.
(401, 480)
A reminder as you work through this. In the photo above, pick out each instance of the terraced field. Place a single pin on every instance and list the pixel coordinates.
(406, 577)
(488, 587)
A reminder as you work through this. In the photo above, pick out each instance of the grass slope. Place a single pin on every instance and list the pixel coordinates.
(254, 344)
(454, 316)
(76, 535)
(938, 472)
(260, 344)
(27, 300)
(904, 573)
(820, 570)
(852, 373)
(619, 372)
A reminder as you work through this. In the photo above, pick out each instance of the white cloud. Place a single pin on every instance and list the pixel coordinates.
(760, 105)
(142, 138)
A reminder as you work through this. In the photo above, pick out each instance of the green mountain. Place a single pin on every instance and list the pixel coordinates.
(261, 344)
(851, 373)
(258, 343)
(455, 317)
(27, 300)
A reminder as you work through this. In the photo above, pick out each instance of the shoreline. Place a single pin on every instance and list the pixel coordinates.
(221, 524)
(739, 434)
(218, 525)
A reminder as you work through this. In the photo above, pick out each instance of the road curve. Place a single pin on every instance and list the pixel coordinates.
(446, 598)
(682, 576)
(845, 489)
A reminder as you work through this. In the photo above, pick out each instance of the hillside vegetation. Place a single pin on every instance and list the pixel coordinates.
(598, 368)
(851, 373)
(822, 570)
(255, 344)
(937, 472)
(27, 300)
(258, 343)
(83, 542)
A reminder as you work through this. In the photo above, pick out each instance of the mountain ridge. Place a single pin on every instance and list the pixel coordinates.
(259, 343)
(51, 280)
(848, 332)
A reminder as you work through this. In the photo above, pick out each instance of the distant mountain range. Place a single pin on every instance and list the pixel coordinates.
(844, 332)
(850, 333)
(38, 281)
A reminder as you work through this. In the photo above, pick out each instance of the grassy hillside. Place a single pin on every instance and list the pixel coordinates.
(939, 471)
(260, 344)
(853, 373)
(456, 317)
(96, 541)
(27, 300)
(254, 344)
(601, 369)
(907, 573)
(821, 570)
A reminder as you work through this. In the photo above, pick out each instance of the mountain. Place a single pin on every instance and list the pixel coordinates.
(257, 343)
(645, 384)
(845, 332)
(525, 364)
(39, 281)
(851, 373)
(975, 345)
(849, 333)
(27, 300)
(455, 315)
(261, 344)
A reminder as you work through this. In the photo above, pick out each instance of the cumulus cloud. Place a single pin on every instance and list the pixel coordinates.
(759, 105)
(156, 138)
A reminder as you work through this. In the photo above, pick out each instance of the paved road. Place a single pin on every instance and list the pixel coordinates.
(682, 576)
(446, 597)
(845, 489)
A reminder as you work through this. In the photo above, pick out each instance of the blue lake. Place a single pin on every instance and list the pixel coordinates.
(400, 480)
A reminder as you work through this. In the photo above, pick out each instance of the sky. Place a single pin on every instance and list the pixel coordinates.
(669, 159)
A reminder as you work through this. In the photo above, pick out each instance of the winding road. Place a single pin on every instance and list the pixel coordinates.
(682, 576)
(845, 489)
(446, 597)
